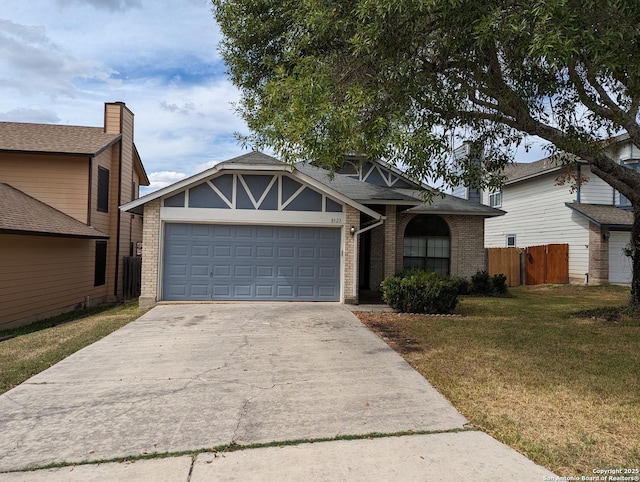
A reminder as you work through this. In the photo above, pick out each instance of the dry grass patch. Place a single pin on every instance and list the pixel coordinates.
(36, 347)
(560, 388)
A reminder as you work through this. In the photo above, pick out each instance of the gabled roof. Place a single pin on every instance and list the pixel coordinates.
(255, 158)
(253, 161)
(54, 138)
(449, 204)
(352, 191)
(521, 171)
(604, 215)
(358, 190)
(23, 214)
(366, 193)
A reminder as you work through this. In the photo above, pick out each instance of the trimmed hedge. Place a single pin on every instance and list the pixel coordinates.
(417, 291)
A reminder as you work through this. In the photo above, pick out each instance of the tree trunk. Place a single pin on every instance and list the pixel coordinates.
(635, 259)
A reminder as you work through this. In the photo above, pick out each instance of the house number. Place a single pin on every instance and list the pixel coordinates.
(336, 220)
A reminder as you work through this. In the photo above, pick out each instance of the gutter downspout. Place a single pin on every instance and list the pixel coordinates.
(356, 236)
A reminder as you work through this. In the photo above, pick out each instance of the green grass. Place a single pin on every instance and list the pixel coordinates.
(38, 346)
(542, 370)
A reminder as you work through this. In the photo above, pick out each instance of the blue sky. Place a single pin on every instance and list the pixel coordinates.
(60, 60)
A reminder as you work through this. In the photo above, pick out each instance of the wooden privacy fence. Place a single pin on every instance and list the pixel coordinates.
(131, 276)
(505, 261)
(547, 264)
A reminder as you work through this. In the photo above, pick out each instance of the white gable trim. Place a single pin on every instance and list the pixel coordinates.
(248, 169)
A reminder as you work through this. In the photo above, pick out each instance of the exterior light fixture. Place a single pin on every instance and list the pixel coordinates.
(352, 230)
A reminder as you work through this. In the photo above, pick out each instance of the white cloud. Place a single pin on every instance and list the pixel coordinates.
(60, 61)
(37, 115)
(31, 63)
(106, 4)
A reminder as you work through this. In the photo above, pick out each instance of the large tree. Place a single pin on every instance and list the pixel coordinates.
(403, 79)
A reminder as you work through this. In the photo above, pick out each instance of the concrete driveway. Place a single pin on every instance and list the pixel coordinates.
(189, 377)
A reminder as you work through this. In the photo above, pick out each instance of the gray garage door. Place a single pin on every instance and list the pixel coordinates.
(224, 262)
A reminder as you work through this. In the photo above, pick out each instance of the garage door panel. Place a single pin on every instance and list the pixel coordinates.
(244, 272)
(264, 291)
(199, 250)
(222, 251)
(264, 271)
(306, 272)
(265, 252)
(620, 265)
(241, 291)
(251, 262)
(199, 291)
(221, 291)
(200, 270)
(286, 252)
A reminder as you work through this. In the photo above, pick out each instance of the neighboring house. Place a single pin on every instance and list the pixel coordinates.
(254, 228)
(62, 236)
(592, 218)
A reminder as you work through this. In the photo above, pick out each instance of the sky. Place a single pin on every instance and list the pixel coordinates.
(61, 60)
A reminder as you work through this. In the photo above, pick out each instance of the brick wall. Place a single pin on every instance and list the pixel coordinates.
(390, 242)
(150, 254)
(598, 256)
(376, 274)
(467, 243)
(350, 258)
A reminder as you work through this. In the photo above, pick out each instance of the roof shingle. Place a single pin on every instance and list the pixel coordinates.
(604, 215)
(54, 138)
(23, 214)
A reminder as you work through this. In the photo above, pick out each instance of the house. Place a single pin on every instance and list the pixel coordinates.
(254, 228)
(591, 217)
(62, 236)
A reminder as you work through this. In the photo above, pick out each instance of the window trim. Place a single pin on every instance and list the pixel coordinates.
(507, 240)
(492, 199)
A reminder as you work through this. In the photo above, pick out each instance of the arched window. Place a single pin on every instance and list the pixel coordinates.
(427, 244)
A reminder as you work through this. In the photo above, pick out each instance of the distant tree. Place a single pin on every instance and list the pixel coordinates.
(400, 79)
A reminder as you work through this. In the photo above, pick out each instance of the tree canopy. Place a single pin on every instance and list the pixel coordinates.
(404, 80)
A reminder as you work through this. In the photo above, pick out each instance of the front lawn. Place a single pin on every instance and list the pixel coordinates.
(561, 387)
(36, 347)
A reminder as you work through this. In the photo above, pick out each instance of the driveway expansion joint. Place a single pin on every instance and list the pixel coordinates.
(234, 447)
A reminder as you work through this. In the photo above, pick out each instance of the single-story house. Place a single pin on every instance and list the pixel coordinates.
(255, 228)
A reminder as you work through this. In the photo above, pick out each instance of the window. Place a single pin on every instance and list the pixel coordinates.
(103, 189)
(134, 192)
(495, 199)
(624, 201)
(511, 240)
(427, 244)
(100, 273)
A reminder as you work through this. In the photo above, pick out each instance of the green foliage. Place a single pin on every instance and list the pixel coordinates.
(405, 81)
(463, 285)
(420, 292)
(483, 284)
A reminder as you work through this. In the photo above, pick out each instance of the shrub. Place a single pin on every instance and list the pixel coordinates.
(483, 284)
(462, 285)
(499, 284)
(420, 292)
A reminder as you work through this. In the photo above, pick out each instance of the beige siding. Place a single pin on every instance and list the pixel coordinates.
(45, 276)
(59, 181)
